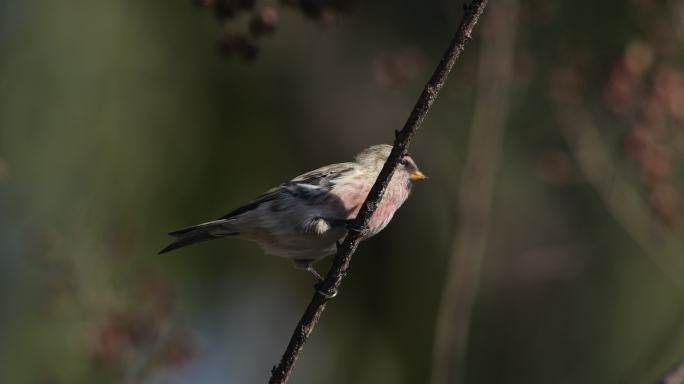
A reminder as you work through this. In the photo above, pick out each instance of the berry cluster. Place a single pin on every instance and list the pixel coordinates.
(141, 332)
(263, 20)
(650, 99)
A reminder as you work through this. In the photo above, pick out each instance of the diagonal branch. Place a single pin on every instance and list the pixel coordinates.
(341, 262)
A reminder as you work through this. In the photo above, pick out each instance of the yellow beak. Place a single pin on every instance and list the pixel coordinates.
(417, 175)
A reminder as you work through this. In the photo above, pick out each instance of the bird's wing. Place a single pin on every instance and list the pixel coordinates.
(323, 179)
(268, 196)
(309, 186)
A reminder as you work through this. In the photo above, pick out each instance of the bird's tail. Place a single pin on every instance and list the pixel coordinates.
(201, 232)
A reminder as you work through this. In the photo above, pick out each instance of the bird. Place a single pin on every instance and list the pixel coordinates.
(306, 218)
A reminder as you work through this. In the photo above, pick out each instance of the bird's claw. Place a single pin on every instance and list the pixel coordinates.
(349, 225)
(327, 294)
(330, 293)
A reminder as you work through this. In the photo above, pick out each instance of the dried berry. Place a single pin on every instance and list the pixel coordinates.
(264, 21)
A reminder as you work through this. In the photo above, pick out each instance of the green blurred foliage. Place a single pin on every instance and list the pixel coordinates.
(121, 120)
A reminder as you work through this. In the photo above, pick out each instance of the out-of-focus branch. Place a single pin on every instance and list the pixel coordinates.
(623, 202)
(620, 197)
(342, 260)
(476, 193)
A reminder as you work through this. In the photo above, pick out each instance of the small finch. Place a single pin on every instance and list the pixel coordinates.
(305, 218)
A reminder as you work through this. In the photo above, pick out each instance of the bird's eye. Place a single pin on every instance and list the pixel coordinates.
(403, 162)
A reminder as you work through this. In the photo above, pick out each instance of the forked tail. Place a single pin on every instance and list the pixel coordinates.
(200, 233)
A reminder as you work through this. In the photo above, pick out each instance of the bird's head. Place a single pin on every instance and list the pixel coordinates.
(373, 158)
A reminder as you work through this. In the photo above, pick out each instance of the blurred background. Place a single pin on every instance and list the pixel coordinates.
(547, 246)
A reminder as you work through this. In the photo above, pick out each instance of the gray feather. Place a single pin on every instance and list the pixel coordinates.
(200, 233)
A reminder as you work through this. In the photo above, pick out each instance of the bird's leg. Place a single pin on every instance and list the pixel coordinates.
(307, 265)
(327, 294)
(319, 279)
(314, 272)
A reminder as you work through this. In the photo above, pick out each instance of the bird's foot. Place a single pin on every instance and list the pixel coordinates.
(349, 225)
(328, 294)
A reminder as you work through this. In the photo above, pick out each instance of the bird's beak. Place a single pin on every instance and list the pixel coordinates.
(417, 175)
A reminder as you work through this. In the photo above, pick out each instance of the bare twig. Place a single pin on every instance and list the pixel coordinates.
(476, 193)
(341, 262)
